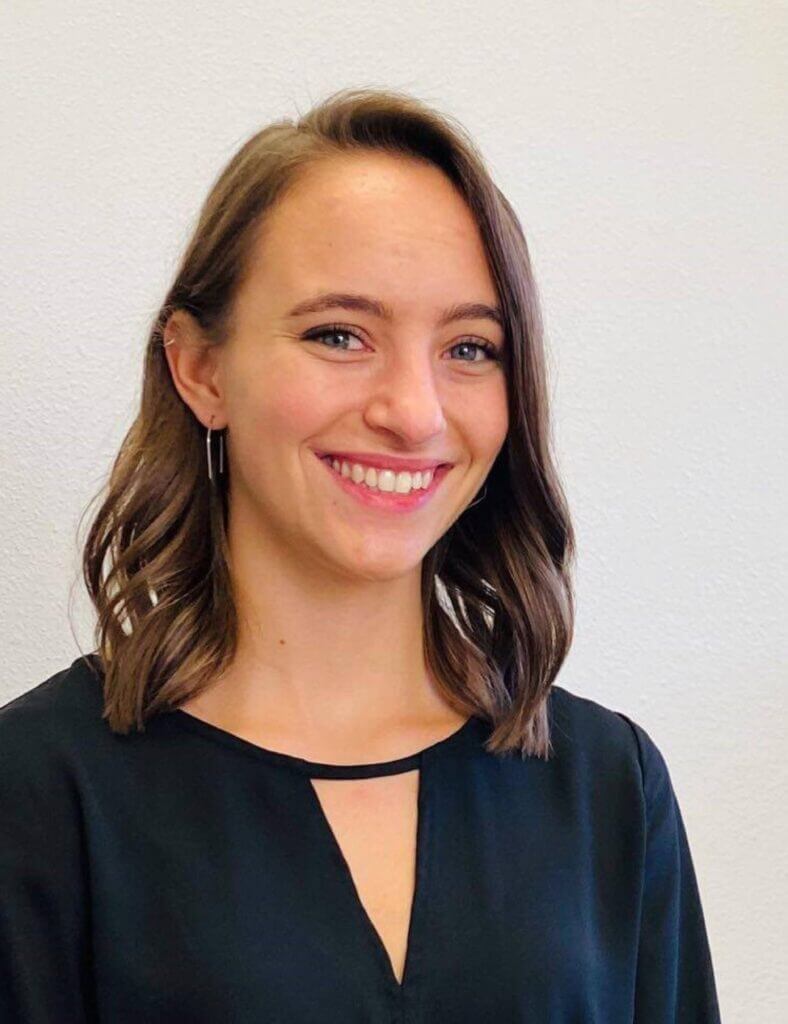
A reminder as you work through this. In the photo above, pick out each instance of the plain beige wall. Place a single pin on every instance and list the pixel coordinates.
(644, 147)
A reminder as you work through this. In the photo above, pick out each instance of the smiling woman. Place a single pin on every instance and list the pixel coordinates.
(318, 767)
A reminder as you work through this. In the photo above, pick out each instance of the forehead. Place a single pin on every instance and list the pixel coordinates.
(373, 222)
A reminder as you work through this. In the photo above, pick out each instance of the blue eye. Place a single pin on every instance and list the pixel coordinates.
(485, 346)
(336, 330)
(339, 330)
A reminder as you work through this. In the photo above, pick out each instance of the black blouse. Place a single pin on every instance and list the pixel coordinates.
(184, 874)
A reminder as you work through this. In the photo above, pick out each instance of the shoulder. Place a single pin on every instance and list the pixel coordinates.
(73, 693)
(52, 720)
(597, 736)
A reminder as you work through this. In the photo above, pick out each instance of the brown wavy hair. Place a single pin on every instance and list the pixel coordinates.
(496, 587)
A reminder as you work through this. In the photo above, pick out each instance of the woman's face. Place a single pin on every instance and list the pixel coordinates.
(404, 384)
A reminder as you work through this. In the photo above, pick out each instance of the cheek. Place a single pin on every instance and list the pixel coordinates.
(301, 410)
(284, 402)
(502, 423)
(483, 418)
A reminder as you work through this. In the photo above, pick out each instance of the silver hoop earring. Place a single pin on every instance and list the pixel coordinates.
(484, 493)
(208, 453)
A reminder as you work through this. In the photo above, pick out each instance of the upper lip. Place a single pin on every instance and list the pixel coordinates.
(387, 461)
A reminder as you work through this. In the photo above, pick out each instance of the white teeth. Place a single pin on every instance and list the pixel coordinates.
(385, 480)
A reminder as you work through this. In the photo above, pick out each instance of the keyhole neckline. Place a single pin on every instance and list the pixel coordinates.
(316, 769)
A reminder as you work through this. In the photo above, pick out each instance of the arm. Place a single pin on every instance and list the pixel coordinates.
(675, 980)
(44, 917)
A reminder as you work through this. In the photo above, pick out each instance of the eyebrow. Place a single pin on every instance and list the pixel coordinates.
(364, 304)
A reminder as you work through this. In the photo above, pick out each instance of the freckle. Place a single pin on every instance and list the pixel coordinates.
(281, 641)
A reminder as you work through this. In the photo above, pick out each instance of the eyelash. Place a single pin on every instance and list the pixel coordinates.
(316, 333)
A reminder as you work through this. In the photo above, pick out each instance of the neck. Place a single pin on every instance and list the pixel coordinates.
(321, 654)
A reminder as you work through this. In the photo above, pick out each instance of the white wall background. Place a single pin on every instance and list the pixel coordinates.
(644, 147)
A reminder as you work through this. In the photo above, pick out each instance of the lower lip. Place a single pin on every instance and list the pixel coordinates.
(388, 501)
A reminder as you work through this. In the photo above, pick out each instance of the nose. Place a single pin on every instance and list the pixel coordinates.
(406, 401)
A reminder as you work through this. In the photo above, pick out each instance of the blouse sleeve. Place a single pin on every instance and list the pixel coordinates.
(43, 892)
(675, 980)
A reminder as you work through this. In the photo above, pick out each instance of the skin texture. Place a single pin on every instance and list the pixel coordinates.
(330, 663)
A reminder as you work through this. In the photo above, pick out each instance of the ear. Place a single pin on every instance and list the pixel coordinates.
(194, 366)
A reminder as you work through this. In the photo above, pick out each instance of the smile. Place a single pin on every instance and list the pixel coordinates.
(384, 488)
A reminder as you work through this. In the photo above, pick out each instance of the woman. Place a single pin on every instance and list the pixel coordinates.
(317, 768)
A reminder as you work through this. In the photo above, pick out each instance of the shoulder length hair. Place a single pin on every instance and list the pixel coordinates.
(496, 588)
